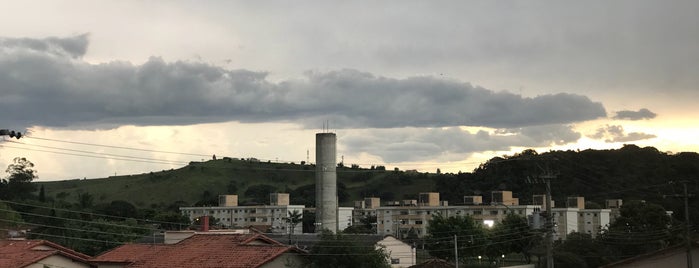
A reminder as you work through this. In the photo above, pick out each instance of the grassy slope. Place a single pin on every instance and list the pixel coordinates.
(188, 183)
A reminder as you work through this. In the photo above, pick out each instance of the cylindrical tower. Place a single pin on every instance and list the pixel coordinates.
(326, 182)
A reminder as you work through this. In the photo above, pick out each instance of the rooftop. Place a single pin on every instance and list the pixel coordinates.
(201, 250)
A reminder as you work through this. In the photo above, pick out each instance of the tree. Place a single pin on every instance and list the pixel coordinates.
(120, 208)
(42, 194)
(18, 185)
(295, 217)
(583, 245)
(85, 200)
(442, 230)
(341, 250)
(513, 234)
(9, 218)
(171, 220)
(640, 228)
(259, 193)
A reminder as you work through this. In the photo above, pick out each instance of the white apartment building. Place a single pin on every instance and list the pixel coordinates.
(230, 215)
(398, 218)
(576, 218)
(270, 217)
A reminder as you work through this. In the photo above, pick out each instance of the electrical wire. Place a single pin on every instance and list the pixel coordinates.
(101, 157)
(116, 147)
(99, 154)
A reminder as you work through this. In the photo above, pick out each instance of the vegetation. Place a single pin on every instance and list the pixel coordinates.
(95, 215)
(18, 185)
(339, 250)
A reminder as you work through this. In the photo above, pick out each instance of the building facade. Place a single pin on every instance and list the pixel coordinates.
(263, 217)
(398, 219)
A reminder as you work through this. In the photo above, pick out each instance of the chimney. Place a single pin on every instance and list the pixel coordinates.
(204, 223)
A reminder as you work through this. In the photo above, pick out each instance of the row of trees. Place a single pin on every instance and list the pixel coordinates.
(640, 228)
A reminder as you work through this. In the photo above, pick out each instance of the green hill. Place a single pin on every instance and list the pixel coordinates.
(628, 173)
(201, 182)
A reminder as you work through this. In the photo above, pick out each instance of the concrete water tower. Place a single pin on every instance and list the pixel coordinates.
(326, 182)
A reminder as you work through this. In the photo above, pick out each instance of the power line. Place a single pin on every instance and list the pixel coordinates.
(88, 152)
(100, 157)
(117, 147)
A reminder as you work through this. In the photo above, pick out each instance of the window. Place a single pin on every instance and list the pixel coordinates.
(418, 222)
(395, 261)
(477, 212)
(493, 212)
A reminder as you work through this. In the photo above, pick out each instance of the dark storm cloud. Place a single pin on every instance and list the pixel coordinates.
(616, 133)
(450, 144)
(42, 83)
(635, 115)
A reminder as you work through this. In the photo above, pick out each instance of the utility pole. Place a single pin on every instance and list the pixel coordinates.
(456, 251)
(687, 234)
(686, 226)
(549, 215)
(549, 221)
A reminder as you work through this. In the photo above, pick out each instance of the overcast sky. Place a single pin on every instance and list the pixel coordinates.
(409, 84)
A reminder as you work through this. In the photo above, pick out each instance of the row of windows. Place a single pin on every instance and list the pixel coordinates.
(475, 212)
(212, 212)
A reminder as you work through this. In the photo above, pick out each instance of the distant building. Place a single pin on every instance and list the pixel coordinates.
(540, 200)
(266, 218)
(400, 218)
(568, 220)
(397, 220)
(263, 217)
(503, 198)
(473, 200)
(400, 254)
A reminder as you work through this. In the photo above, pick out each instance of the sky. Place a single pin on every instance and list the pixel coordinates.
(104, 88)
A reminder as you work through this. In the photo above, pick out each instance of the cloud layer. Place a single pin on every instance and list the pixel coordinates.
(450, 144)
(616, 133)
(635, 115)
(47, 84)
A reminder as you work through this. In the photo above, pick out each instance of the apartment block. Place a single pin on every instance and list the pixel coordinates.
(264, 217)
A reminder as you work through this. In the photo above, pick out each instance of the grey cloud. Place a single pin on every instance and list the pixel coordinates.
(557, 134)
(450, 144)
(74, 47)
(635, 115)
(43, 87)
(616, 133)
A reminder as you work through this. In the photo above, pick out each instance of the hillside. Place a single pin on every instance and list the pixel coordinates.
(250, 179)
(630, 172)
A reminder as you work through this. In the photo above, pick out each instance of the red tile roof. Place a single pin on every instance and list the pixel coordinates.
(201, 250)
(21, 253)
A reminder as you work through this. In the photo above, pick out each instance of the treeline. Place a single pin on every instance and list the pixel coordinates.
(628, 173)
